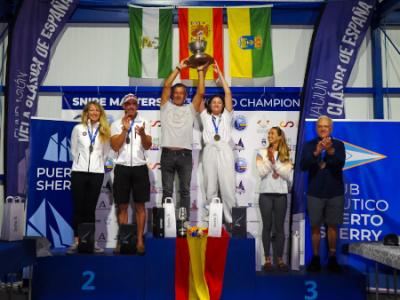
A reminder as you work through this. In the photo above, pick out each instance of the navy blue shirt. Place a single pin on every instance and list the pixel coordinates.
(326, 182)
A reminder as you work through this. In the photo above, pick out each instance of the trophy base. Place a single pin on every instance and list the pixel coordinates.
(199, 60)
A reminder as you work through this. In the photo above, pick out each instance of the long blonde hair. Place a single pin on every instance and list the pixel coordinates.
(104, 130)
(283, 148)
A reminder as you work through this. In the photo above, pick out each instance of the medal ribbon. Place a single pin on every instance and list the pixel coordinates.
(92, 136)
(215, 124)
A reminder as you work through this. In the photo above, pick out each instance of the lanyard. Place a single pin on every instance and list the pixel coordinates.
(215, 125)
(92, 136)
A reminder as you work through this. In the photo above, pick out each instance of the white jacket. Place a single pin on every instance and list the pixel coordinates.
(84, 161)
(269, 184)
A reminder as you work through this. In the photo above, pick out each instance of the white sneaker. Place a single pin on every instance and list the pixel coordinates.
(73, 248)
(98, 249)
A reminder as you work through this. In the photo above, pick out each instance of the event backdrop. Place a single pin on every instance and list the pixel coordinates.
(370, 173)
(254, 115)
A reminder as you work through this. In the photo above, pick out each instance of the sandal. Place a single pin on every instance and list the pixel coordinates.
(140, 250)
(282, 266)
(267, 267)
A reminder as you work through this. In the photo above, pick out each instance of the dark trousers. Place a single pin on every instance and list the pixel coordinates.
(273, 209)
(177, 161)
(86, 189)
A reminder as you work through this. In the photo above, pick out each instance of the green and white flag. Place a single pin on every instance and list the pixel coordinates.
(150, 45)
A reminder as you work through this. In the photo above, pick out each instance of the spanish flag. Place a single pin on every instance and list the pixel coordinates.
(250, 42)
(200, 266)
(201, 23)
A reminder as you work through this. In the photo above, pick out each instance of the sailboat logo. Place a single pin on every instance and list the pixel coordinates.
(60, 232)
(357, 156)
(56, 151)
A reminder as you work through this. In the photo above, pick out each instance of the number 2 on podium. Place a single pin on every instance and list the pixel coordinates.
(311, 292)
(87, 285)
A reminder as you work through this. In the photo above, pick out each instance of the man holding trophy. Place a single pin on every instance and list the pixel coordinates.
(177, 120)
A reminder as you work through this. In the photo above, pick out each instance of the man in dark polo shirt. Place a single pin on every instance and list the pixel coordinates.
(324, 158)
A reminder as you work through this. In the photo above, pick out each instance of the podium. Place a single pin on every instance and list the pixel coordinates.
(115, 277)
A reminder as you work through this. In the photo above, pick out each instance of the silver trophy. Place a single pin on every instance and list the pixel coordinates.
(182, 217)
(198, 58)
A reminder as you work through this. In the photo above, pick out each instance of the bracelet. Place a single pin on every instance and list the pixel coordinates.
(178, 68)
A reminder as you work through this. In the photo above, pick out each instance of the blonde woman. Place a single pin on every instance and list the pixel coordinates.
(276, 172)
(90, 144)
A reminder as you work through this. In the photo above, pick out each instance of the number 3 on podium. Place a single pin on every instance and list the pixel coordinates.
(311, 292)
(87, 285)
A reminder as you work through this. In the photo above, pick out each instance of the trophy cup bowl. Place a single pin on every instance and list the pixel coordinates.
(198, 58)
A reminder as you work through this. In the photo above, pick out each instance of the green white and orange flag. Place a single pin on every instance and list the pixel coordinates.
(150, 44)
(249, 30)
(201, 23)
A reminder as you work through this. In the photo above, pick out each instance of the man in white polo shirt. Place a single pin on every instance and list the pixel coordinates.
(130, 139)
(177, 133)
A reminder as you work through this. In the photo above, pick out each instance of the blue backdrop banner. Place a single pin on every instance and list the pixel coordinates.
(36, 29)
(49, 212)
(336, 42)
(371, 178)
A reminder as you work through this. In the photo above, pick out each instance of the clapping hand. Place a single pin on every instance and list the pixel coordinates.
(140, 130)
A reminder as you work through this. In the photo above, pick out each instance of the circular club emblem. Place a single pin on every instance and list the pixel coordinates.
(240, 122)
(84, 133)
(240, 165)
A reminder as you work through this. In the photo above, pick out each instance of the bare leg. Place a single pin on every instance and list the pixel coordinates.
(123, 213)
(140, 212)
(332, 238)
(316, 238)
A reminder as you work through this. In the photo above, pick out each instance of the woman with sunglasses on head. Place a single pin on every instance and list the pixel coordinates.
(218, 160)
(276, 173)
(90, 144)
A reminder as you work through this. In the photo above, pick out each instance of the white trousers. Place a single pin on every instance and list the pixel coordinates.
(219, 174)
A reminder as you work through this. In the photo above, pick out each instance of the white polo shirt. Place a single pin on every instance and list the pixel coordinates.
(132, 154)
(177, 125)
(223, 122)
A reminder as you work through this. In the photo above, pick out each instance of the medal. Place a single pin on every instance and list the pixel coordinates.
(217, 137)
(92, 138)
(128, 140)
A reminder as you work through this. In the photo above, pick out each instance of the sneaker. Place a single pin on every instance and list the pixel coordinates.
(315, 264)
(333, 265)
(97, 249)
(73, 248)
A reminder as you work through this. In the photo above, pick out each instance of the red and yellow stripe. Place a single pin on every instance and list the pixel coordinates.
(200, 266)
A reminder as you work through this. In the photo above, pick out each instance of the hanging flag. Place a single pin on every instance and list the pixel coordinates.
(250, 42)
(336, 42)
(204, 24)
(150, 43)
(199, 267)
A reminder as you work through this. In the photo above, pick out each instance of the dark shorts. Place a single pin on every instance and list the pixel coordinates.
(325, 210)
(131, 179)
